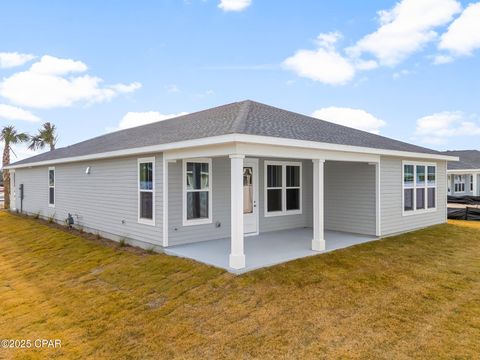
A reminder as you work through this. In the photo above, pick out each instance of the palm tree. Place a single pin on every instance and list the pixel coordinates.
(9, 136)
(46, 136)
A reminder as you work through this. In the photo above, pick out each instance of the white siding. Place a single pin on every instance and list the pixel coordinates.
(393, 221)
(350, 197)
(98, 201)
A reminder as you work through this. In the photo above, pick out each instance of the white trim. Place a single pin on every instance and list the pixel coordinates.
(165, 201)
(414, 188)
(143, 161)
(221, 139)
(208, 220)
(13, 190)
(256, 188)
(284, 188)
(464, 183)
(464, 171)
(52, 168)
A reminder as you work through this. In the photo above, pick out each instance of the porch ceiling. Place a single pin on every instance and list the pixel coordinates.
(266, 249)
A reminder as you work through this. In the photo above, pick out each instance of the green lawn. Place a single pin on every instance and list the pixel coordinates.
(415, 295)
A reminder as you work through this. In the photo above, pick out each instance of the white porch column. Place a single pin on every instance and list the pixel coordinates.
(475, 188)
(318, 241)
(237, 256)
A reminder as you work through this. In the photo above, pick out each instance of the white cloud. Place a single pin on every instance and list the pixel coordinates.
(463, 35)
(132, 119)
(325, 64)
(10, 112)
(51, 65)
(405, 29)
(354, 118)
(13, 59)
(439, 127)
(234, 5)
(51, 83)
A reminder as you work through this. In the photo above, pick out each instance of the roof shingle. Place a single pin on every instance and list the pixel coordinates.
(245, 117)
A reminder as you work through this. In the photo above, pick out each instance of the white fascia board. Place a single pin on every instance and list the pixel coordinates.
(463, 171)
(241, 138)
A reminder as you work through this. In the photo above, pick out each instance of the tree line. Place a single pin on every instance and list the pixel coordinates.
(45, 137)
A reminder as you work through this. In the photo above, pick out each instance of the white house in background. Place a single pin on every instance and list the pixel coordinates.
(240, 186)
(464, 175)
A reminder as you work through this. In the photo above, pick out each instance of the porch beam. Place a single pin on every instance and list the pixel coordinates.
(318, 241)
(475, 188)
(237, 255)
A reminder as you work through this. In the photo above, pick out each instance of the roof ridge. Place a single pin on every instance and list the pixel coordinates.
(239, 123)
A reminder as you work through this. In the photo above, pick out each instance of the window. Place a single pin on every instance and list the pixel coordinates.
(51, 186)
(283, 188)
(146, 191)
(459, 183)
(419, 187)
(197, 194)
(471, 183)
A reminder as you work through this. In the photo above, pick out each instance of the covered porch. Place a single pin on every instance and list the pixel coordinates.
(287, 244)
(245, 206)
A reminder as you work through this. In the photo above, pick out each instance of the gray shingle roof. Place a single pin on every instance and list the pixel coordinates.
(469, 159)
(245, 117)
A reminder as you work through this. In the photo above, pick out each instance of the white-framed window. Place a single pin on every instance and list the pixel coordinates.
(197, 191)
(146, 191)
(459, 183)
(449, 184)
(419, 187)
(471, 183)
(283, 188)
(51, 186)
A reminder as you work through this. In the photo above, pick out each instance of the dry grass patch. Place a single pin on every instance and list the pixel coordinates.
(415, 295)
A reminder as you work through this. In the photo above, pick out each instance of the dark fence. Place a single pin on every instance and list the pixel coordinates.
(467, 200)
(466, 213)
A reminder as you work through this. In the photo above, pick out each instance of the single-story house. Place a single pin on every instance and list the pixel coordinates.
(464, 175)
(237, 174)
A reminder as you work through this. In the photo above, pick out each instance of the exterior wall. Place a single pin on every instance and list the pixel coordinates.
(350, 197)
(106, 200)
(305, 219)
(476, 190)
(392, 219)
(220, 226)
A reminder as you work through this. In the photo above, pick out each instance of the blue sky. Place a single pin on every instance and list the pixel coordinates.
(405, 69)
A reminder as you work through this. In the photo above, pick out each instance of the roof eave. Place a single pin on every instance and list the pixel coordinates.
(222, 139)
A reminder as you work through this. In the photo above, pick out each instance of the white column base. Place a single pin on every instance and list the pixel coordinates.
(237, 261)
(318, 245)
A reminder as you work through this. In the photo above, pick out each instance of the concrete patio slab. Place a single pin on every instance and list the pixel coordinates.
(266, 249)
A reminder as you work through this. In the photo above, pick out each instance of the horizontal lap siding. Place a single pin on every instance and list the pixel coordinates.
(98, 201)
(179, 234)
(350, 197)
(393, 221)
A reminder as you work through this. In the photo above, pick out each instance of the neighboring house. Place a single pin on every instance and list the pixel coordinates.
(464, 175)
(234, 171)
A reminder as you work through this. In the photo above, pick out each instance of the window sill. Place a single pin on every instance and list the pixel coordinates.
(418, 212)
(146, 222)
(196, 222)
(282, 213)
(51, 205)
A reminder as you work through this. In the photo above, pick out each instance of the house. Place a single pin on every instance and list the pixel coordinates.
(242, 173)
(464, 175)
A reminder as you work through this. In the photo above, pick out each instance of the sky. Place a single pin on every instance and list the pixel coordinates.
(407, 69)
